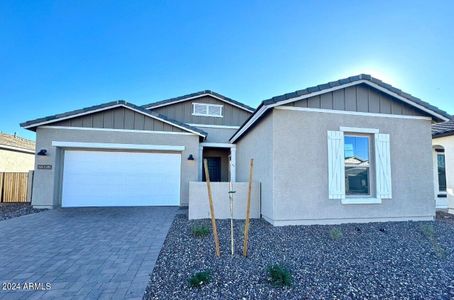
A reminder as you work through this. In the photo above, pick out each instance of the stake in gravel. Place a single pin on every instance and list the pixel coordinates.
(248, 209)
(231, 192)
(210, 199)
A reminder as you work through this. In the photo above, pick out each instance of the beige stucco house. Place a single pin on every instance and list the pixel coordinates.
(344, 151)
(16, 154)
(443, 160)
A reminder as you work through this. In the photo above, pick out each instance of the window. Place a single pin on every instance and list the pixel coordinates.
(441, 172)
(357, 165)
(207, 110)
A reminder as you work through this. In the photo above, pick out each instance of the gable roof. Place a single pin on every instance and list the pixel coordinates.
(443, 129)
(199, 95)
(13, 142)
(435, 112)
(33, 124)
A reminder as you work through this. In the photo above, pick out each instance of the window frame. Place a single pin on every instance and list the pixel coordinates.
(438, 174)
(369, 144)
(207, 105)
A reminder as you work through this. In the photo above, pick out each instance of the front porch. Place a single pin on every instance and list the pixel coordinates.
(221, 160)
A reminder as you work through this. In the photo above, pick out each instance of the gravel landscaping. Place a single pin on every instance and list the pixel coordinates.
(375, 260)
(13, 210)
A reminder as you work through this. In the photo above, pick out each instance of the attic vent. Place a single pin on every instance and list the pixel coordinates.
(207, 110)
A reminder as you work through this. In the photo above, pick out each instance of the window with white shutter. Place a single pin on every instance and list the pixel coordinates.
(207, 110)
(350, 167)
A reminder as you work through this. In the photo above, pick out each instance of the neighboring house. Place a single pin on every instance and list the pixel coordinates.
(120, 154)
(353, 150)
(443, 158)
(299, 142)
(16, 154)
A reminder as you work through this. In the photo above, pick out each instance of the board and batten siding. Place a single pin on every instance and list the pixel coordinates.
(182, 111)
(118, 118)
(359, 98)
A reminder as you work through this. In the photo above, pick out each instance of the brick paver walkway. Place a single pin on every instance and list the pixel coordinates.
(84, 253)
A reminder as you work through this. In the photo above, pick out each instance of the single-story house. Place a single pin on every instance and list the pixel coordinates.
(17, 154)
(344, 151)
(443, 159)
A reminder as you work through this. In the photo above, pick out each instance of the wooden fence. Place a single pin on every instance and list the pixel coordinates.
(14, 186)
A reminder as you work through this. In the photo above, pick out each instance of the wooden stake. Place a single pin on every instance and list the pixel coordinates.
(248, 209)
(213, 220)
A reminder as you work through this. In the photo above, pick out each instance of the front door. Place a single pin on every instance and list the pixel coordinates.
(214, 169)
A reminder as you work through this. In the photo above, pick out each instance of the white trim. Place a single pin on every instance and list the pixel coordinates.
(361, 200)
(116, 130)
(248, 124)
(218, 145)
(117, 146)
(358, 130)
(110, 107)
(266, 107)
(354, 113)
(151, 106)
(17, 149)
(207, 109)
(213, 126)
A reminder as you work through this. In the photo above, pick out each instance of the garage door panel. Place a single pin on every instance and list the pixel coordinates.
(99, 178)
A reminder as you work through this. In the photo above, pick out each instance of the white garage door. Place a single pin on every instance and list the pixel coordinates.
(100, 178)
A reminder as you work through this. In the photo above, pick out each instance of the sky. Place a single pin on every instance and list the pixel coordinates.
(57, 56)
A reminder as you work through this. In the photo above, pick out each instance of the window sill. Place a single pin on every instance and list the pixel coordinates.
(365, 200)
(203, 115)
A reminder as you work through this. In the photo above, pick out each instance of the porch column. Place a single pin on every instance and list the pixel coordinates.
(200, 162)
(233, 163)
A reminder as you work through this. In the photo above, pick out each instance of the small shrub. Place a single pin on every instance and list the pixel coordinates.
(279, 276)
(428, 231)
(199, 279)
(200, 231)
(335, 234)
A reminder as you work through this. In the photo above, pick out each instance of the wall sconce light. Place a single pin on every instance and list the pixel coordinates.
(190, 157)
(42, 152)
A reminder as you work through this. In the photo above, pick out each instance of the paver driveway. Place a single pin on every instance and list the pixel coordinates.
(86, 253)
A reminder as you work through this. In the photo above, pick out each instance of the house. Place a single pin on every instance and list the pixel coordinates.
(299, 142)
(121, 154)
(16, 154)
(443, 159)
(352, 150)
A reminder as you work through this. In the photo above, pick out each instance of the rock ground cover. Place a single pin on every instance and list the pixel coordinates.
(13, 210)
(368, 261)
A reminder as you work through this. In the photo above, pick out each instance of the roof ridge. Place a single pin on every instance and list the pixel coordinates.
(169, 101)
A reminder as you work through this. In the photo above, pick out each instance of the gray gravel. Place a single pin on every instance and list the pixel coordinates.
(13, 210)
(371, 261)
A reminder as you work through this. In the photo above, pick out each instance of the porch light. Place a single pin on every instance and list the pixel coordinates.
(42, 152)
(190, 157)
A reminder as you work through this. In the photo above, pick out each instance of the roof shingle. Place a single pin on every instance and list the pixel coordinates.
(16, 142)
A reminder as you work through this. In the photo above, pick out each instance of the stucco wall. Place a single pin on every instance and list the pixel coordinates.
(301, 169)
(46, 190)
(218, 135)
(258, 144)
(14, 161)
(447, 143)
(199, 205)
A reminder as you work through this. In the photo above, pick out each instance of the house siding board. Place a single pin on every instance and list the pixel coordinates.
(182, 111)
(303, 196)
(360, 98)
(118, 118)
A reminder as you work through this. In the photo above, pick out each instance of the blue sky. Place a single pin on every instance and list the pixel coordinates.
(57, 56)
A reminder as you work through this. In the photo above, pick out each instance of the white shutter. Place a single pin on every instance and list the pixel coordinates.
(336, 166)
(383, 166)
